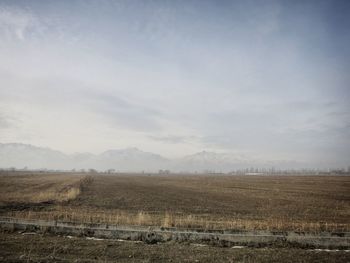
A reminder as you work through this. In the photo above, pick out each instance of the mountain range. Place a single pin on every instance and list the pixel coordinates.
(20, 156)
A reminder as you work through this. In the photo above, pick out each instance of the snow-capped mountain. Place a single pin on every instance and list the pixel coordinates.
(126, 160)
(130, 159)
(24, 155)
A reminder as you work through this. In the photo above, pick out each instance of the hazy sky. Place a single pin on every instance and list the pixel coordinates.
(266, 78)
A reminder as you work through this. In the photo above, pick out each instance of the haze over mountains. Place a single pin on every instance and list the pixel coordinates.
(128, 160)
(254, 83)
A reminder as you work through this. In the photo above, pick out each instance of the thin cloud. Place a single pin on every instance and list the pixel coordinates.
(174, 78)
(7, 122)
(174, 139)
(16, 23)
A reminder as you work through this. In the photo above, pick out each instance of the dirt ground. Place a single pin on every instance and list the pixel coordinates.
(307, 203)
(299, 197)
(27, 247)
(314, 203)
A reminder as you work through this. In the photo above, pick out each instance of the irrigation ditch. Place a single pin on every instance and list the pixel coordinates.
(151, 235)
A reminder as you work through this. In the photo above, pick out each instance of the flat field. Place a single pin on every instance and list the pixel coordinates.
(307, 203)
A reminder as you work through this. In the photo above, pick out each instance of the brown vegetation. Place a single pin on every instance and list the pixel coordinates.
(307, 203)
(38, 188)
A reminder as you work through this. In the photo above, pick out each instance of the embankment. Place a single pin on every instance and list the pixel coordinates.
(161, 234)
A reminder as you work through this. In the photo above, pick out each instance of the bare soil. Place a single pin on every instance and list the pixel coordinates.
(27, 247)
(307, 203)
(310, 203)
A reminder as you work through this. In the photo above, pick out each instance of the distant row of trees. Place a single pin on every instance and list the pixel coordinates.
(245, 171)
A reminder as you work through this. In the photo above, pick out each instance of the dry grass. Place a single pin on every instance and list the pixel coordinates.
(40, 188)
(298, 203)
(179, 221)
(57, 195)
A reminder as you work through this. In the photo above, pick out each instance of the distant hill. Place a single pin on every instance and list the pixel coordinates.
(20, 155)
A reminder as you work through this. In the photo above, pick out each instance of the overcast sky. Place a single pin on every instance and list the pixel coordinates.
(268, 79)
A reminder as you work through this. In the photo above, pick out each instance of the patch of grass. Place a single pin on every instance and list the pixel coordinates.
(41, 188)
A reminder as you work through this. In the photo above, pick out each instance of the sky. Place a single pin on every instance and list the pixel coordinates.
(268, 79)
